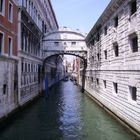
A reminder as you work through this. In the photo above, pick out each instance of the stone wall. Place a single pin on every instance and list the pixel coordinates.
(113, 74)
(8, 88)
(54, 70)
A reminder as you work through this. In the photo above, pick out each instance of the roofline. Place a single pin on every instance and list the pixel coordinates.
(71, 32)
(105, 15)
(53, 13)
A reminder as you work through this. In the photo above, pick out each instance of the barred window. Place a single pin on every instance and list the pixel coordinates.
(105, 53)
(105, 30)
(133, 93)
(133, 7)
(116, 49)
(115, 85)
(116, 20)
(104, 81)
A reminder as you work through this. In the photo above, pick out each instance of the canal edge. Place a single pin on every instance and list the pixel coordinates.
(5, 119)
(120, 120)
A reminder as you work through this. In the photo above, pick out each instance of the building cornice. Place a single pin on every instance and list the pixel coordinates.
(80, 40)
(108, 12)
(68, 32)
(53, 13)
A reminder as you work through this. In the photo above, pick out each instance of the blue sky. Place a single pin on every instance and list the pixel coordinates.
(78, 14)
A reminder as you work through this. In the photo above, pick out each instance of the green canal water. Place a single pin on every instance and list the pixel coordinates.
(67, 114)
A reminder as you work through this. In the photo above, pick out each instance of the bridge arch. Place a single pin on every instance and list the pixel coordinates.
(65, 53)
(65, 41)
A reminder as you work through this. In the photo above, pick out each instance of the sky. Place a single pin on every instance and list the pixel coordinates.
(78, 14)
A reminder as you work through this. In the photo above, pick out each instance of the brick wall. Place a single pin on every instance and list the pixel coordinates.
(8, 28)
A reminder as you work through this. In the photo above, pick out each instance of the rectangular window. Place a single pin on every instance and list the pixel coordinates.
(115, 87)
(1, 6)
(10, 12)
(4, 89)
(105, 53)
(2, 2)
(92, 79)
(1, 42)
(133, 7)
(73, 43)
(56, 43)
(116, 49)
(104, 81)
(98, 56)
(22, 67)
(133, 93)
(28, 67)
(25, 67)
(105, 30)
(45, 28)
(116, 21)
(92, 42)
(98, 36)
(97, 81)
(65, 43)
(134, 43)
(9, 46)
(22, 40)
(31, 67)
(25, 39)
(92, 60)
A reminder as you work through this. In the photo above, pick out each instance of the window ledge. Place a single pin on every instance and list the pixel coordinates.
(132, 102)
(115, 94)
(11, 21)
(1, 14)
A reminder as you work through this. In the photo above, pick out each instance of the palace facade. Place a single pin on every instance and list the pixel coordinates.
(113, 73)
(35, 18)
(23, 24)
(8, 56)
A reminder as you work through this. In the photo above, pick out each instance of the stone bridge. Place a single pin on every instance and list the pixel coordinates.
(65, 42)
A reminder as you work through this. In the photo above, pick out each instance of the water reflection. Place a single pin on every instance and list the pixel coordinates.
(66, 115)
(70, 113)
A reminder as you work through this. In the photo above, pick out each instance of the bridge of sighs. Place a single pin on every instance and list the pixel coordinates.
(66, 42)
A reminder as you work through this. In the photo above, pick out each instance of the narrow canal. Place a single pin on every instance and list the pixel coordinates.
(67, 114)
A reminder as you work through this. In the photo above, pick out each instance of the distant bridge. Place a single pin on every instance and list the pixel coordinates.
(66, 42)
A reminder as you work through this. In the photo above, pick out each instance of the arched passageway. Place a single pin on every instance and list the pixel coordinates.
(56, 57)
(66, 41)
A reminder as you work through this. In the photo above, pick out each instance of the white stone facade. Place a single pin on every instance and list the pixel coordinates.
(36, 17)
(64, 40)
(113, 74)
(8, 89)
(54, 70)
